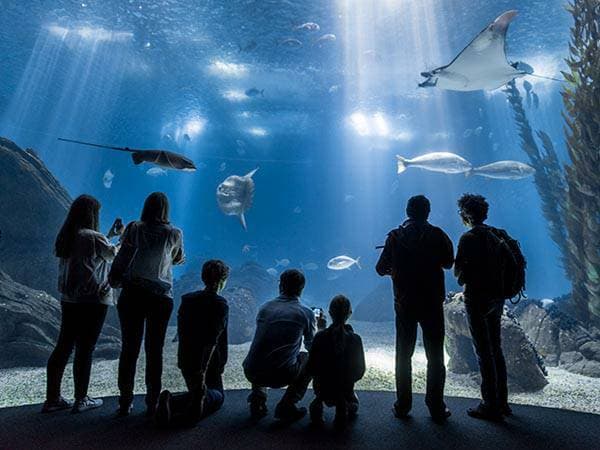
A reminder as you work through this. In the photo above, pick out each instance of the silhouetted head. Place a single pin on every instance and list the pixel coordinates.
(156, 208)
(83, 214)
(473, 209)
(291, 283)
(214, 274)
(340, 309)
(418, 208)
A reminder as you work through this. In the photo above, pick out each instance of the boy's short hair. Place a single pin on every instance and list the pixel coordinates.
(291, 282)
(473, 208)
(418, 207)
(214, 271)
(340, 308)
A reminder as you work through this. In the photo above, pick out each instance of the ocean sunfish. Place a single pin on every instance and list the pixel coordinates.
(162, 158)
(235, 195)
(504, 170)
(444, 162)
(482, 64)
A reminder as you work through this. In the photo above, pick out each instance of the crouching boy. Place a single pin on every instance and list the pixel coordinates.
(336, 361)
(202, 354)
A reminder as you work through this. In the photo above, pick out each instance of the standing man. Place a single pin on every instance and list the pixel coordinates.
(415, 255)
(275, 358)
(480, 269)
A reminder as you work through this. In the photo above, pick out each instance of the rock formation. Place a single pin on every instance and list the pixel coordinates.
(34, 205)
(526, 369)
(377, 306)
(30, 323)
(562, 340)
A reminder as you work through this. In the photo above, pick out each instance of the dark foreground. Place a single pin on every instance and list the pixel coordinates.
(531, 427)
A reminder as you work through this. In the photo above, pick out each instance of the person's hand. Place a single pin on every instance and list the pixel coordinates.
(116, 229)
(321, 321)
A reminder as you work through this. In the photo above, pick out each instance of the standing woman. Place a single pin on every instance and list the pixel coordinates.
(152, 246)
(85, 255)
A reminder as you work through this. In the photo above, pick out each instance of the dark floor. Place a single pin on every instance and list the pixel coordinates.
(531, 427)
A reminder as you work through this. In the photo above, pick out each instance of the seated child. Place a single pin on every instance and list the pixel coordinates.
(336, 361)
(202, 354)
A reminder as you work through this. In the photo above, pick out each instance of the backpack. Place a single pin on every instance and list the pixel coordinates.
(507, 260)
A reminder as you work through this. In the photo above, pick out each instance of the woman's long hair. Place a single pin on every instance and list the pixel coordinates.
(156, 209)
(340, 310)
(84, 213)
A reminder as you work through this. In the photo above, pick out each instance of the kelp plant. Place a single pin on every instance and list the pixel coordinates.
(581, 97)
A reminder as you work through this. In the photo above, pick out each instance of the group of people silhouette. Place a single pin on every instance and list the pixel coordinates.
(415, 256)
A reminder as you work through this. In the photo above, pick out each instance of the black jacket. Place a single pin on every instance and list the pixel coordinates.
(415, 255)
(474, 267)
(202, 328)
(334, 373)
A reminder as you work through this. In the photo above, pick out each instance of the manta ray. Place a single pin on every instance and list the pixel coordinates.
(162, 158)
(482, 65)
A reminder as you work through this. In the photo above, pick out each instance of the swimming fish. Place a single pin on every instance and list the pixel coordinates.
(348, 198)
(291, 42)
(282, 262)
(436, 162)
(480, 65)
(297, 210)
(107, 179)
(308, 26)
(222, 167)
(309, 266)
(329, 37)
(342, 262)
(253, 92)
(504, 170)
(273, 272)
(477, 131)
(247, 248)
(162, 158)
(467, 133)
(156, 172)
(235, 195)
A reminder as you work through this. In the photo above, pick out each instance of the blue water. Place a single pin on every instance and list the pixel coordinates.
(325, 133)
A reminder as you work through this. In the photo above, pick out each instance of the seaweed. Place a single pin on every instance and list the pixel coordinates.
(581, 98)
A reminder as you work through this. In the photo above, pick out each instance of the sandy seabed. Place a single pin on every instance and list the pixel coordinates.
(19, 386)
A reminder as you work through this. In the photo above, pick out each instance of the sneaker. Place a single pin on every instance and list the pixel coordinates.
(506, 410)
(400, 413)
(124, 410)
(289, 412)
(316, 412)
(484, 413)
(258, 408)
(86, 403)
(163, 410)
(441, 416)
(57, 405)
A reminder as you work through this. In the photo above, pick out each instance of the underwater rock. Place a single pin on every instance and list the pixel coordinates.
(242, 314)
(29, 327)
(526, 371)
(34, 205)
(561, 339)
(377, 306)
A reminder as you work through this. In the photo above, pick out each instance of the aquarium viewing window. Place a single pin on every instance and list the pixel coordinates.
(291, 135)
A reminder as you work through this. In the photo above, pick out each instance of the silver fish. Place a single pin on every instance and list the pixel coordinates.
(308, 26)
(107, 179)
(504, 170)
(342, 262)
(235, 195)
(291, 42)
(436, 162)
(329, 37)
(156, 172)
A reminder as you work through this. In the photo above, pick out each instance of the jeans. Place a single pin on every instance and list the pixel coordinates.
(80, 327)
(139, 309)
(485, 325)
(296, 380)
(203, 398)
(432, 324)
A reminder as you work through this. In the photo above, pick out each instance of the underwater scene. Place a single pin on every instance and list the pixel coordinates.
(291, 134)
